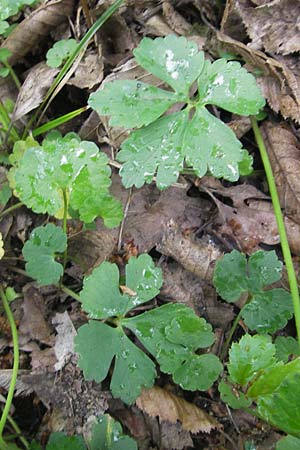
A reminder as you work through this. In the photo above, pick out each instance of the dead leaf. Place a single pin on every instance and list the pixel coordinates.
(33, 323)
(90, 248)
(64, 340)
(197, 257)
(33, 90)
(175, 20)
(284, 153)
(273, 26)
(36, 27)
(157, 26)
(171, 408)
(89, 72)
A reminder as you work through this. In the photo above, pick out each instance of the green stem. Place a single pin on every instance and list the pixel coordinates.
(82, 45)
(231, 333)
(70, 293)
(280, 224)
(6, 122)
(65, 228)
(15, 368)
(10, 209)
(58, 121)
(12, 74)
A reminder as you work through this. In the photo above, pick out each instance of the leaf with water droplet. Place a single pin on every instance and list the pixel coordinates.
(66, 164)
(101, 296)
(40, 251)
(210, 144)
(172, 334)
(107, 434)
(97, 344)
(267, 311)
(249, 356)
(230, 86)
(131, 103)
(156, 149)
(174, 60)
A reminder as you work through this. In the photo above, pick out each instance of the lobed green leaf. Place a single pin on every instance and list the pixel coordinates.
(107, 434)
(40, 251)
(131, 103)
(230, 86)
(59, 441)
(236, 400)
(288, 443)
(171, 59)
(60, 51)
(285, 347)
(65, 164)
(250, 356)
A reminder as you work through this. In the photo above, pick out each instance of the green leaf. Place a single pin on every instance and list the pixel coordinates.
(285, 347)
(176, 354)
(171, 333)
(67, 164)
(131, 103)
(210, 144)
(40, 251)
(236, 400)
(250, 356)
(161, 144)
(5, 193)
(9, 8)
(59, 441)
(4, 72)
(34, 446)
(193, 135)
(101, 296)
(268, 311)
(281, 408)
(264, 268)
(174, 60)
(230, 86)
(4, 54)
(97, 344)
(107, 434)
(60, 51)
(269, 381)
(288, 443)
(229, 276)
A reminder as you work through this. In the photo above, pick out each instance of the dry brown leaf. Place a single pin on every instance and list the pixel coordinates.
(197, 257)
(33, 323)
(251, 220)
(171, 408)
(89, 72)
(284, 153)
(175, 20)
(33, 90)
(90, 248)
(36, 27)
(273, 26)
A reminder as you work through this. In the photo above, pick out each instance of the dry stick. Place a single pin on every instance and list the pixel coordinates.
(280, 224)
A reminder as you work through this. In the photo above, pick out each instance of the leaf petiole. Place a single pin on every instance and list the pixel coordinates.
(280, 224)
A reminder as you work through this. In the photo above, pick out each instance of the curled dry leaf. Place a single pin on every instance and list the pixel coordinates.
(196, 257)
(89, 71)
(36, 27)
(273, 26)
(32, 93)
(175, 20)
(171, 408)
(284, 153)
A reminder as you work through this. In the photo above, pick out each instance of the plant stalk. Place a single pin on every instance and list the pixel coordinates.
(280, 224)
(15, 368)
(70, 293)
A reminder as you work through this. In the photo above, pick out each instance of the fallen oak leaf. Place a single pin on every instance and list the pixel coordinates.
(171, 408)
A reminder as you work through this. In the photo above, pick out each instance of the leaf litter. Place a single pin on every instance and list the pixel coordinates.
(185, 229)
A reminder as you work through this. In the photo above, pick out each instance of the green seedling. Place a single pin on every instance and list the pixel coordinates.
(62, 173)
(9, 8)
(193, 136)
(265, 311)
(254, 370)
(60, 51)
(171, 333)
